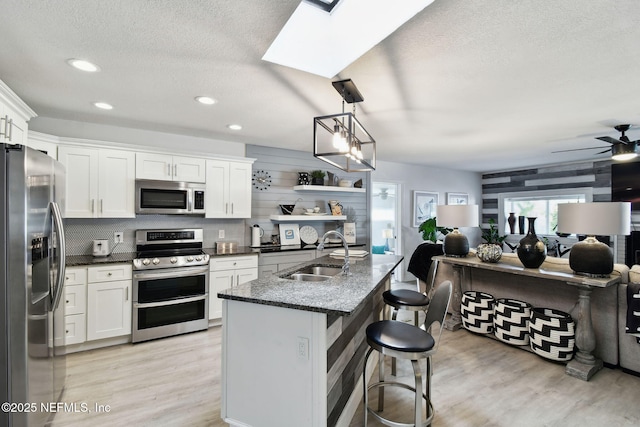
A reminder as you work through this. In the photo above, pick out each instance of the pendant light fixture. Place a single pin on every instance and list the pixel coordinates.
(340, 139)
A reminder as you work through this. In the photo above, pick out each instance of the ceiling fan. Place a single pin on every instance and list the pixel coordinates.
(383, 194)
(621, 149)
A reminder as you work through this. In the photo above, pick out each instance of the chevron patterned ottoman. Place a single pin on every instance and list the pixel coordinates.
(552, 334)
(476, 309)
(511, 321)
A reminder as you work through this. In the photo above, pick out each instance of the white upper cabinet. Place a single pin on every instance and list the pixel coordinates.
(165, 167)
(14, 114)
(228, 193)
(100, 183)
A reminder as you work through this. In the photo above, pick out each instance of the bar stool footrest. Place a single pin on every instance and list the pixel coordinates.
(392, 423)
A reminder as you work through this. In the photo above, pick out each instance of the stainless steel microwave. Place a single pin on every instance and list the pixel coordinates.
(169, 197)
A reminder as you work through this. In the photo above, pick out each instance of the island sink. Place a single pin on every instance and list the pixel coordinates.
(315, 273)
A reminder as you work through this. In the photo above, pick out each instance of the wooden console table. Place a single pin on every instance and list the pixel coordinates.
(584, 364)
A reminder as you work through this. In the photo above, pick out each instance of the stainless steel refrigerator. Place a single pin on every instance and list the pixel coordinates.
(32, 363)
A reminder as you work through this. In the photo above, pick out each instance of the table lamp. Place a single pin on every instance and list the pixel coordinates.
(591, 257)
(456, 244)
(387, 233)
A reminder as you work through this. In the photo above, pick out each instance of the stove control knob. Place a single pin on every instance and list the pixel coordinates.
(189, 258)
(146, 261)
(198, 258)
(173, 260)
(155, 261)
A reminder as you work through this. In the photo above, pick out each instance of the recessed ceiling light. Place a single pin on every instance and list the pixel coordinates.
(83, 65)
(103, 105)
(234, 127)
(206, 100)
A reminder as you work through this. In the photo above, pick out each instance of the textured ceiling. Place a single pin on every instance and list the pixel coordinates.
(472, 84)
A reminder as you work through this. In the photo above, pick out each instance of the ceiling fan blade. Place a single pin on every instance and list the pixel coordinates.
(580, 149)
(602, 152)
(609, 140)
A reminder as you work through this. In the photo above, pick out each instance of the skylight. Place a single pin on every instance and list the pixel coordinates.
(324, 43)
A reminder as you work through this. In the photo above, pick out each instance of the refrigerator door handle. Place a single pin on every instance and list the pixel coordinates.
(57, 219)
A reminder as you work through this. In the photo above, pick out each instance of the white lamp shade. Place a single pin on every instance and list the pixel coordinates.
(387, 233)
(457, 216)
(595, 219)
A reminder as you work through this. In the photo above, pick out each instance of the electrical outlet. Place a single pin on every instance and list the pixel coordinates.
(303, 348)
(220, 234)
(118, 237)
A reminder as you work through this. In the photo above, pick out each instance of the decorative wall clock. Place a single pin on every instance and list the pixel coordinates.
(261, 180)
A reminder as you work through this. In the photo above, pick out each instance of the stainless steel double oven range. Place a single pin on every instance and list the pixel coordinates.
(170, 284)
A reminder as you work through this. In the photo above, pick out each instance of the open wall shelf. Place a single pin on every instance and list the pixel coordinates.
(296, 218)
(331, 188)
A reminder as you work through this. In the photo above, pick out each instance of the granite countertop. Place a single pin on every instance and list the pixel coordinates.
(339, 295)
(79, 260)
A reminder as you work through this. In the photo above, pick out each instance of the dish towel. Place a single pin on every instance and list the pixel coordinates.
(633, 310)
(421, 259)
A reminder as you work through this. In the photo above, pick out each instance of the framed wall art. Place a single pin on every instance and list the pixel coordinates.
(289, 234)
(424, 206)
(457, 199)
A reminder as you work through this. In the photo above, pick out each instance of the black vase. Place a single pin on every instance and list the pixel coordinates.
(512, 222)
(520, 224)
(532, 251)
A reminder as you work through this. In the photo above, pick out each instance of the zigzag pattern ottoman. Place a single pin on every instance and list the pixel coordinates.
(476, 309)
(552, 334)
(511, 321)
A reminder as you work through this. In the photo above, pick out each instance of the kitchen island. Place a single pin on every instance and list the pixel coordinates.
(292, 351)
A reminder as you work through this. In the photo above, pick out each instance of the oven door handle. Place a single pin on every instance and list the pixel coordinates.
(187, 271)
(170, 302)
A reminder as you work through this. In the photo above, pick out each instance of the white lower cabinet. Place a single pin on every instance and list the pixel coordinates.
(75, 305)
(227, 272)
(109, 301)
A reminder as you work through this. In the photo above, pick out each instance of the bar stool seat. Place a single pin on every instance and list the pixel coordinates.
(405, 298)
(405, 341)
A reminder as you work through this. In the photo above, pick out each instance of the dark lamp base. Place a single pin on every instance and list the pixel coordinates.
(591, 258)
(456, 244)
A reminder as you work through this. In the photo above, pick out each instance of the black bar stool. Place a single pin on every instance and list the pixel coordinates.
(399, 339)
(407, 299)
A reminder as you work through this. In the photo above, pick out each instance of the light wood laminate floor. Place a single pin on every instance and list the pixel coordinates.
(477, 382)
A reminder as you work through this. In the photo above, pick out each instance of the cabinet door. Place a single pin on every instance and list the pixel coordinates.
(246, 275)
(108, 309)
(217, 189)
(240, 190)
(154, 166)
(81, 181)
(116, 184)
(75, 299)
(75, 329)
(13, 129)
(189, 169)
(218, 281)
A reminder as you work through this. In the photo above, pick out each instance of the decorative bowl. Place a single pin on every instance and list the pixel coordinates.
(287, 209)
(345, 183)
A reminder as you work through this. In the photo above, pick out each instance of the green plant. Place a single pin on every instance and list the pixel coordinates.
(491, 235)
(430, 230)
(317, 174)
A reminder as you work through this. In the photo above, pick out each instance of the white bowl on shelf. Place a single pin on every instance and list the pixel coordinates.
(345, 183)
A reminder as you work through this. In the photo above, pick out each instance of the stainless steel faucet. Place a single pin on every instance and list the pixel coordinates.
(345, 266)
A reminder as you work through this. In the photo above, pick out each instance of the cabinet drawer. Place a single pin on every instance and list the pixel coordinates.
(75, 276)
(75, 329)
(75, 298)
(109, 273)
(232, 263)
(290, 257)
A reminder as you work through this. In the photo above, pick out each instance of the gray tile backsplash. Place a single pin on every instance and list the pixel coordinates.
(81, 232)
